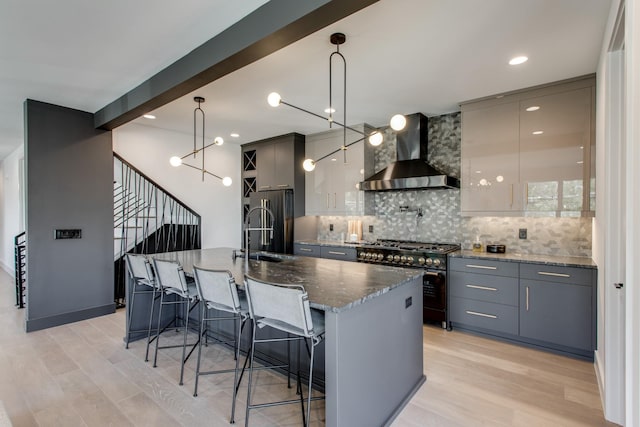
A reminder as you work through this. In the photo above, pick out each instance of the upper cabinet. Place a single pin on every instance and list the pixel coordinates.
(332, 187)
(530, 153)
(274, 164)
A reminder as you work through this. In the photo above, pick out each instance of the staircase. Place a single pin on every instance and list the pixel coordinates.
(147, 219)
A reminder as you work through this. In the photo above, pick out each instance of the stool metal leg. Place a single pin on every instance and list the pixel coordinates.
(203, 330)
(130, 310)
(187, 305)
(153, 305)
(155, 355)
(253, 341)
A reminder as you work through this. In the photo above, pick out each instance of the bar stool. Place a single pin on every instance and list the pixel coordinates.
(142, 277)
(285, 308)
(172, 281)
(218, 290)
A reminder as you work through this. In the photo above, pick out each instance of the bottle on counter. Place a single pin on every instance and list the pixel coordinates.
(477, 245)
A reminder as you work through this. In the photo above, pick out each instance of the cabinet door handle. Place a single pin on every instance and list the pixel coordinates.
(511, 203)
(305, 250)
(335, 199)
(264, 187)
(475, 313)
(484, 267)
(484, 288)
(546, 273)
(526, 194)
(283, 185)
(526, 291)
(337, 253)
(327, 200)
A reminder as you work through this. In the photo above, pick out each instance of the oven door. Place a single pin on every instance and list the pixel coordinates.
(434, 290)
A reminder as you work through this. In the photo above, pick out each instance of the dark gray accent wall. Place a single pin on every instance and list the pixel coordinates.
(269, 28)
(69, 169)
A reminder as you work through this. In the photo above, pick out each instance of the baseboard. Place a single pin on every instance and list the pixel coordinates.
(74, 316)
(599, 368)
(9, 270)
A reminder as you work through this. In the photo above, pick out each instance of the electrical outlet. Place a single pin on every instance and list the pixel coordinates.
(408, 302)
(522, 233)
(330, 227)
(371, 229)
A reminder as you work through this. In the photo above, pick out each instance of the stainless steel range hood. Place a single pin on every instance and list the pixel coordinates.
(411, 170)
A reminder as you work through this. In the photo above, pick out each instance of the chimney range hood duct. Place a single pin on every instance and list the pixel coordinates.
(411, 170)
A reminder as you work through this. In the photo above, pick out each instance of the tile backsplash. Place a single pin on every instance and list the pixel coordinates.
(434, 215)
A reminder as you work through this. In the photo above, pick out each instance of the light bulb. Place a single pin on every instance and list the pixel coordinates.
(309, 165)
(274, 99)
(375, 139)
(175, 161)
(218, 140)
(398, 122)
(226, 181)
(518, 60)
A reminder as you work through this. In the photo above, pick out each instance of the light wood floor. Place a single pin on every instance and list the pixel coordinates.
(81, 375)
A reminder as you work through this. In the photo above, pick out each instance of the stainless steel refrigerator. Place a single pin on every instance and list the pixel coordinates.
(280, 203)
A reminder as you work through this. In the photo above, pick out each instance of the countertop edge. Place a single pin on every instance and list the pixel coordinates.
(560, 261)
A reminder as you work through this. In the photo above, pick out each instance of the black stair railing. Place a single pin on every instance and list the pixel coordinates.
(147, 219)
(20, 244)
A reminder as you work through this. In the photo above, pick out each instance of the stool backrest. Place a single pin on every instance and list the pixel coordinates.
(285, 303)
(218, 289)
(171, 275)
(139, 267)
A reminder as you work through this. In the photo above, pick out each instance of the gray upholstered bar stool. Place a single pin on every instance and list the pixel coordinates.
(172, 281)
(285, 308)
(217, 290)
(142, 282)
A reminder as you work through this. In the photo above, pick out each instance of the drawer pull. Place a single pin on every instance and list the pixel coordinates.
(484, 267)
(305, 250)
(283, 185)
(475, 313)
(431, 273)
(546, 273)
(484, 288)
(336, 253)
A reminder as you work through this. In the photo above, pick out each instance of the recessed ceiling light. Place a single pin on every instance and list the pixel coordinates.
(533, 108)
(478, 171)
(537, 132)
(329, 110)
(580, 162)
(149, 116)
(518, 60)
(234, 135)
(582, 147)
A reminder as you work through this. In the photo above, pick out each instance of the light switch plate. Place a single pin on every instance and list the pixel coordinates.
(522, 233)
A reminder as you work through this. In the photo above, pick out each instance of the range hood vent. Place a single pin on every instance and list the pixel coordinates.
(411, 170)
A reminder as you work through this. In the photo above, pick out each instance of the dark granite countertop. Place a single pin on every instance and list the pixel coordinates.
(332, 285)
(562, 261)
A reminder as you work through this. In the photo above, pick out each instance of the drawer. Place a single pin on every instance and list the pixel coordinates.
(484, 266)
(485, 315)
(338, 252)
(306, 250)
(559, 274)
(483, 287)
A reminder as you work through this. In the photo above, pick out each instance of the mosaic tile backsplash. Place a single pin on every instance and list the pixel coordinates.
(434, 215)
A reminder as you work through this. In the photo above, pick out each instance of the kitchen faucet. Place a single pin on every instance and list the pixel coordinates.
(247, 228)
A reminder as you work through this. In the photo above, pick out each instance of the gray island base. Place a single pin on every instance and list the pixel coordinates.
(371, 359)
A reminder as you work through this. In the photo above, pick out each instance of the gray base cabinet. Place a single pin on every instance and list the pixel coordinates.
(343, 253)
(544, 306)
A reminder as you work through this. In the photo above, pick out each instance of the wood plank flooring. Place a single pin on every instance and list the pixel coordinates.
(81, 375)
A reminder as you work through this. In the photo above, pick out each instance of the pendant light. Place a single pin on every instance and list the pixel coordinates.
(176, 161)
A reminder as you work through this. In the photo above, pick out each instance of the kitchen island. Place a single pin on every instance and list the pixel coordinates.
(373, 314)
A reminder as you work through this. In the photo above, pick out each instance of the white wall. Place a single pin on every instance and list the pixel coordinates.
(10, 224)
(149, 149)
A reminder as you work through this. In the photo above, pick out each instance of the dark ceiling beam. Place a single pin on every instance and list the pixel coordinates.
(269, 28)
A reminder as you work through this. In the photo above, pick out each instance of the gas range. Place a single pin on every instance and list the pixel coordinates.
(407, 253)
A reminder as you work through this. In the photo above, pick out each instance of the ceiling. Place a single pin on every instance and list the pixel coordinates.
(403, 56)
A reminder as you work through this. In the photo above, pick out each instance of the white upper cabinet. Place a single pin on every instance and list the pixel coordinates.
(530, 153)
(332, 187)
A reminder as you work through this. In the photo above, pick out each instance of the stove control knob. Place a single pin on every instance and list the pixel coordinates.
(362, 255)
(396, 258)
(429, 261)
(436, 262)
(380, 257)
(403, 258)
(389, 258)
(368, 255)
(410, 259)
(421, 260)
